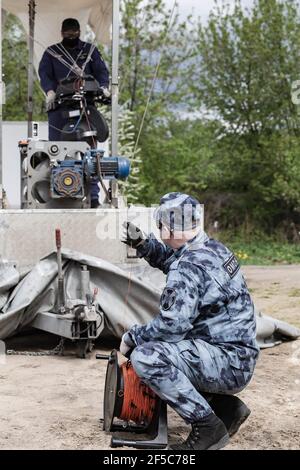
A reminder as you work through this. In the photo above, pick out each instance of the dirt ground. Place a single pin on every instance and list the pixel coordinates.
(56, 402)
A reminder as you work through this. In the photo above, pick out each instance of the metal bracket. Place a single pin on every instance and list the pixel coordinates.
(66, 326)
(158, 433)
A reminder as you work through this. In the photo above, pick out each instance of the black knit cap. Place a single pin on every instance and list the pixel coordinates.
(70, 24)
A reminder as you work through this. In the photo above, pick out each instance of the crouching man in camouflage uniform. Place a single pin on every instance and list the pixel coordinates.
(200, 350)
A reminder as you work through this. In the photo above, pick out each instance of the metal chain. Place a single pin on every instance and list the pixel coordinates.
(57, 351)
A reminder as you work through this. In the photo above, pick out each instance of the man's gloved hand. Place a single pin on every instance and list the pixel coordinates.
(125, 347)
(50, 100)
(105, 92)
(106, 95)
(134, 236)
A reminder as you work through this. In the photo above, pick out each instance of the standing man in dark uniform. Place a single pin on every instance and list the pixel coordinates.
(70, 58)
(51, 70)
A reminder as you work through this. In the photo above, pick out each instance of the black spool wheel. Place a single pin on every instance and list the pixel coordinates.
(113, 392)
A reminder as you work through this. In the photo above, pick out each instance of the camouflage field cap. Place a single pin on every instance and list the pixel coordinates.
(178, 212)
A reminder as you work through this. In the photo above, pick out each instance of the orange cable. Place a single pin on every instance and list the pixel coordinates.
(139, 400)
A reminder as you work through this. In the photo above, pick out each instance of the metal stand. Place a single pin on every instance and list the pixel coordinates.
(157, 432)
(76, 319)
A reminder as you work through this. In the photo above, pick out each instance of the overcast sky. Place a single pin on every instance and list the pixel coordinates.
(199, 7)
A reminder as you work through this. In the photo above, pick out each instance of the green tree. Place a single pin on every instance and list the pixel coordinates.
(247, 62)
(149, 33)
(15, 66)
(178, 155)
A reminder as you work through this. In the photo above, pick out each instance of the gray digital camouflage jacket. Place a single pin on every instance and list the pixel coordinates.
(206, 297)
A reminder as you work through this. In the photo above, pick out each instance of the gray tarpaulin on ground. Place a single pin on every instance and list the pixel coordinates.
(126, 296)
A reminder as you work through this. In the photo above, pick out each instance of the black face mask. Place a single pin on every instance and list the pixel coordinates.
(70, 42)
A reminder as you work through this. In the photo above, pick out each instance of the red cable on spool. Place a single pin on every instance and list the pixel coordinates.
(139, 400)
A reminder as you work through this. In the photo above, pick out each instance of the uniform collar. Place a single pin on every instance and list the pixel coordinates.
(198, 241)
(194, 243)
(79, 46)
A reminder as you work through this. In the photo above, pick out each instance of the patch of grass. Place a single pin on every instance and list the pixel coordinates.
(262, 252)
(294, 293)
(252, 290)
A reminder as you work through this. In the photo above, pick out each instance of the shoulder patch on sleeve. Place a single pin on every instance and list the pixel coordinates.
(231, 266)
(168, 298)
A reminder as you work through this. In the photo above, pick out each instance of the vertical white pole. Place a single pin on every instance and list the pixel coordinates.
(31, 7)
(1, 103)
(115, 92)
(115, 77)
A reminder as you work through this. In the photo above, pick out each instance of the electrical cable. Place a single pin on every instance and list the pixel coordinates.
(138, 400)
(155, 76)
(143, 120)
(100, 176)
(68, 132)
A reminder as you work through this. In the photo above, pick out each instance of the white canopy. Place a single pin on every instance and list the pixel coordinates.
(50, 14)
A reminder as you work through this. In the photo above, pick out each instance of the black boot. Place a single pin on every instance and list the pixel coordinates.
(207, 434)
(231, 410)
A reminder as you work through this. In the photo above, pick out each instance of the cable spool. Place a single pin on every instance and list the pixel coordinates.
(125, 396)
(139, 400)
(141, 415)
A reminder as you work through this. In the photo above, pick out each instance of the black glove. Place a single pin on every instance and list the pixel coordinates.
(134, 236)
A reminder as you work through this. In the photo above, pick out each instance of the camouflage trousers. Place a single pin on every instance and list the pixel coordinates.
(183, 373)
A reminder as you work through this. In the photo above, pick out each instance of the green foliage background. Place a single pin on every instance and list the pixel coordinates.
(221, 124)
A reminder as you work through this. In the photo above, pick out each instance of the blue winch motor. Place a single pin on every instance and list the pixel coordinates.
(69, 178)
(111, 167)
